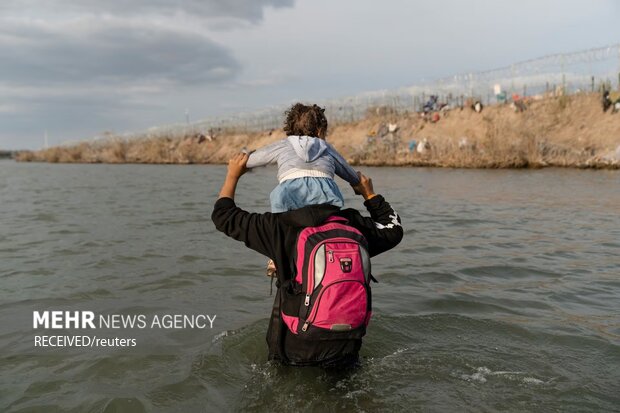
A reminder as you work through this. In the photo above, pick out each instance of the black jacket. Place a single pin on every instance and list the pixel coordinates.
(275, 236)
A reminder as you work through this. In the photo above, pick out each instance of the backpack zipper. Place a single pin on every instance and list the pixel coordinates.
(315, 310)
(310, 287)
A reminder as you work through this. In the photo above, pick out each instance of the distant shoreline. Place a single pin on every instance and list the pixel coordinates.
(8, 154)
(565, 131)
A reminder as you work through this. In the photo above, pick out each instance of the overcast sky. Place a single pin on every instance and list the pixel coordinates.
(77, 68)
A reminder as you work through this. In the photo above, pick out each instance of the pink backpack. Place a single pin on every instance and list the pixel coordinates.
(333, 278)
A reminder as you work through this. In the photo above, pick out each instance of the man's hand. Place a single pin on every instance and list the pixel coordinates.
(236, 165)
(236, 168)
(364, 188)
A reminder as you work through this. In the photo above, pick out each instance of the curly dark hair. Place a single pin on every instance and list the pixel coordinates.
(305, 120)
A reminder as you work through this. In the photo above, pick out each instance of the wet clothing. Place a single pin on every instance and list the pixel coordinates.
(306, 169)
(275, 235)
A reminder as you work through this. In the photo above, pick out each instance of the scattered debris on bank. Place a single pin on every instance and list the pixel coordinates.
(518, 132)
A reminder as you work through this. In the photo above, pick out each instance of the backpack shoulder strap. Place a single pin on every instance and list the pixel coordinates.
(336, 218)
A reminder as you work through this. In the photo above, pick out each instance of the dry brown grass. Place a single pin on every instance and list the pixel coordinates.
(568, 131)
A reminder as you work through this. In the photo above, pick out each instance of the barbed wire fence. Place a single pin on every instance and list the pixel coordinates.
(565, 73)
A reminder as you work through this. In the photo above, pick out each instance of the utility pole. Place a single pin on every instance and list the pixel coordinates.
(45, 143)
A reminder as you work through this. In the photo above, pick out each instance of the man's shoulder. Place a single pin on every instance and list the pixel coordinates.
(348, 212)
(308, 216)
(353, 215)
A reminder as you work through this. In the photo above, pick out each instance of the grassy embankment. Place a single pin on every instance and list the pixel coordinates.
(567, 131)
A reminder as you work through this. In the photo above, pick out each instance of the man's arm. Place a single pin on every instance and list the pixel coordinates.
(383, 229)
(254, 230)
(236, 168)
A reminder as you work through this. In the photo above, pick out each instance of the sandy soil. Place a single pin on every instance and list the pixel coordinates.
(570, 131)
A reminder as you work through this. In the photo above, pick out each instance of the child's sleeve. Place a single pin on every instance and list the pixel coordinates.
(265, 155)
(343, 169)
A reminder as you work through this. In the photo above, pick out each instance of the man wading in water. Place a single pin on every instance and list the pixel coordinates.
(323, 302)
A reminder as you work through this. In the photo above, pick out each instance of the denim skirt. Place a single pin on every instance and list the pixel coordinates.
(300, 192)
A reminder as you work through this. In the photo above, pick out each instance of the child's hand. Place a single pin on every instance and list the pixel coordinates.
(364, 188)
(236, 165)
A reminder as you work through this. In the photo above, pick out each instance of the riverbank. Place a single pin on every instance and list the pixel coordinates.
(565, 131)
(8, 154)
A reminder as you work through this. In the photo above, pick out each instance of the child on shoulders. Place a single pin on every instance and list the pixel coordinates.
(306, 162)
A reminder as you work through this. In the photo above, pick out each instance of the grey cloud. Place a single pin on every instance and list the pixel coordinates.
(76, 67)
(250, 10)
(116, 52)
(76, 114)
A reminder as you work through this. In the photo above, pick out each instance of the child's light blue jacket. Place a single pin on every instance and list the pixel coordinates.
(306, 169)
(304, 153)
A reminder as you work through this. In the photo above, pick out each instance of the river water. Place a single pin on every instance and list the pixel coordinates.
(504, 294)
